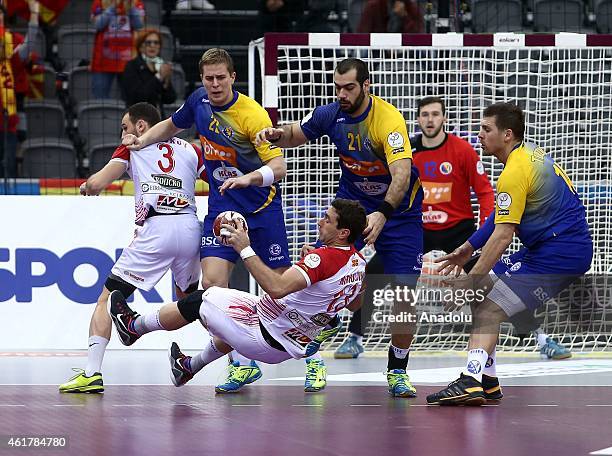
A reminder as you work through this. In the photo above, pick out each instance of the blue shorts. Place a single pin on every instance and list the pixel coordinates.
(400, 246)
(268, 239)
(540, 274)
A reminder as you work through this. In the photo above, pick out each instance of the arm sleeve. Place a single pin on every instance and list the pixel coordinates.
(136, 15)
(122, 155)
(394, 137)
(315, 124)
(318, 265)
(480, 183)
(482, 235)
(255, 123)
(201, 167)
(511, 195)
(184, 116)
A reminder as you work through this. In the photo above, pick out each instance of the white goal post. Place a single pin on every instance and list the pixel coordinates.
(562, 81)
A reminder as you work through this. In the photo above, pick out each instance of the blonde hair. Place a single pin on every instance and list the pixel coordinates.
(215, 56)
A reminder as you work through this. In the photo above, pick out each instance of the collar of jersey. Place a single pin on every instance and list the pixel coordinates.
(341, 247)
(422, 148)
(227, 106)
(353, 120)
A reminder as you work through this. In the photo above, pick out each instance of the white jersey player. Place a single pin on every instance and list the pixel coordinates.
(167, 236)
(298, 311)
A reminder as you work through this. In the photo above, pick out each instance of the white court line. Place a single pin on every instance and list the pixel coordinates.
(605, 451)
(246, 405)
(542, 405)
(599, 405)
(306, 405)
(68, 405)
(128, 405)
(365, 405)
(12, 405)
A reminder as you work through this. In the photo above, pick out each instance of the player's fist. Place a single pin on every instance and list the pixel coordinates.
(132, 142)
(269, 134)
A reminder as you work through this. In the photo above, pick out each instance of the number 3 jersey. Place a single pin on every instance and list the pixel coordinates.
(334, 276)
(164, 176)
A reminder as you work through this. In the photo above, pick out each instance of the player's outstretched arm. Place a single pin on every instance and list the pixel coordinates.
(286, 136)
(276, 284)
(103, 178)
(273, 171)
(494, 248)
(159, 132)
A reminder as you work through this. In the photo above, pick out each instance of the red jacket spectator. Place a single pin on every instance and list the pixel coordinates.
(393, 16)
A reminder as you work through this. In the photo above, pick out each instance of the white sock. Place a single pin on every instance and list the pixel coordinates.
(358, 337)
(490, 368)
(206, 356)
(477, 359)
(317, 355)
(542, 336)
(95, 354)
(400, 353)
(147, 323)
(235, 356)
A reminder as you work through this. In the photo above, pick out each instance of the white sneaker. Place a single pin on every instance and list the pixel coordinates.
(183, 5)
(202, 5)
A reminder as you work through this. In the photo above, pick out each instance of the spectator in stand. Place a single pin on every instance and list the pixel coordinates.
(14, 52)
(392, 16)
(147, 77)
(115, 22)
(280, 15)
(194, 4)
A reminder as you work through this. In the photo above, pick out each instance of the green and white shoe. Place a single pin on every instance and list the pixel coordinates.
(80, 383)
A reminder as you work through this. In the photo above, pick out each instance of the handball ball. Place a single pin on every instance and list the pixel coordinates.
(232, 218)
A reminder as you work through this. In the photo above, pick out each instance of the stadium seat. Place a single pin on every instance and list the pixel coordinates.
(75, 12)
(48, 157)
(75, 43)
(558, 15)
(49, 87)
(603, 15)
(79, 85)
(355, 7)
(214, 27)
(100, 154)
(178, 80)
(497, 16)
(99, 121)
(153, 13)
(168, 48)
(45, 118)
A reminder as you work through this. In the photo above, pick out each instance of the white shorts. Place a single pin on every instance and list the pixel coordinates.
(163, 242)
(231, 316)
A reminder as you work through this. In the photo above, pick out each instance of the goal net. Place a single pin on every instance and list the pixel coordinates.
(564, 84)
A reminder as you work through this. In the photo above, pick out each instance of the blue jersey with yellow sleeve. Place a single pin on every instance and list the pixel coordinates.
(227, 134)
(366, 146)
(536, 194)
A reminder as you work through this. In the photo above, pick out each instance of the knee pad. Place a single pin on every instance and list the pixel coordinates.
(189, 306)
(114, 283)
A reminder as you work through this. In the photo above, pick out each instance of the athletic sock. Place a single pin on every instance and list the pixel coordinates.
(244, 361)
(206, 356)
(95, 354)
(490, 368)
(477, 359)
(541, 336)
(398, 358)
(358, 337)
(147, 323)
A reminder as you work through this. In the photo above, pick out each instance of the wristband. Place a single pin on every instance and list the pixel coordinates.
(386, 209)
(247, 252)
(267, 174)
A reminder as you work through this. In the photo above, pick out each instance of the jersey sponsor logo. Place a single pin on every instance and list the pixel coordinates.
(395, 140)
(208, 241)
(372, 188)
(275, 249)
(321, 319)
(133, 276)
(364, 168)
(437, 192)
(516, 266)
(312, 260)
(214, 151)
(224, 173)
(474, 367)
(432, 216)
(168, 204)
(479, 167)
(296, 337)
(295, 318)
(153, 188)
(446, 168)
(504, 201)
(228, 132)
(167, 181)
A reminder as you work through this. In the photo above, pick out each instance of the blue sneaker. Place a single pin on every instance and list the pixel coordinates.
(239, 376)
(399, 384)
(554, 350)
(316, 375)
(350, 348)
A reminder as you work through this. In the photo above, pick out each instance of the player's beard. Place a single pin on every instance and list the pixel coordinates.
(434, 134)
(354, 106)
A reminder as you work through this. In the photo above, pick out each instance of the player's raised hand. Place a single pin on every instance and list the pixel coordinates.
(269, 134)
(234, 183)
(237, 237)
(375, 222)
(132, 142)
(306, 249)
(454, 261)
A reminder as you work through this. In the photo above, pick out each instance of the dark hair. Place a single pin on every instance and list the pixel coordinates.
(508, 116)
(144, 111)
(347, 65)
(351, 215)
(430, 100)
(214, 56)
(142, 35)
